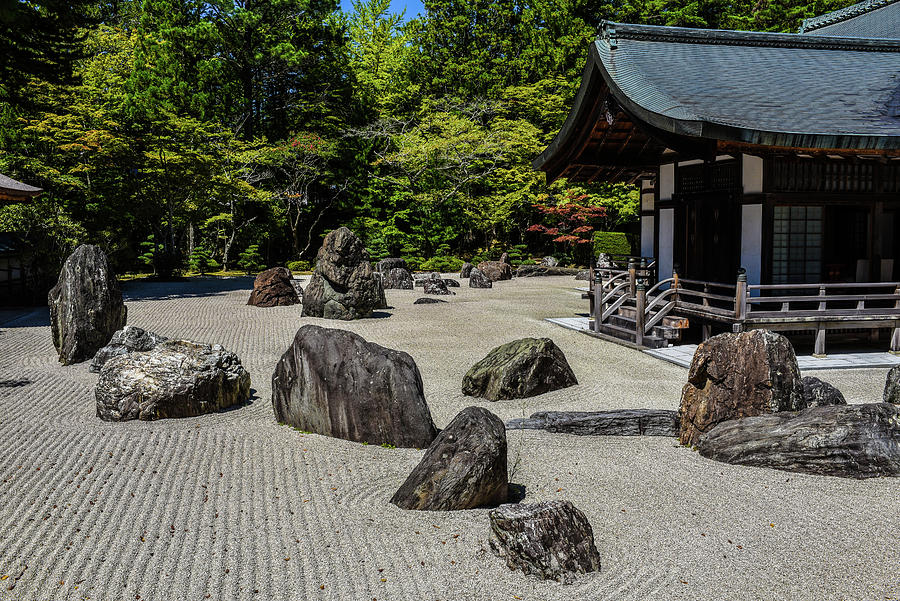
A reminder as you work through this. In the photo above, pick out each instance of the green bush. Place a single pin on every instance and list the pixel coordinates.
(413, 262)
(299, 266)
(612, 243)
(442, 264)
(250, 260)
(201, 261)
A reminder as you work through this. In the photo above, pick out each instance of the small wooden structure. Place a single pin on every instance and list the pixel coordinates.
(13, 262)
(776, 155)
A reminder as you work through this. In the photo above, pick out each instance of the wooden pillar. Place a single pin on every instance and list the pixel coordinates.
(740, 296)
(598, 301)
(640, 299)
(632, 275)
(819, 349)
(895, 334)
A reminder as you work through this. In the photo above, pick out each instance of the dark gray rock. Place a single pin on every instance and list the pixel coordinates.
(533, 271)
(519, 369)
(274, 288)
(126, 340)
(817, 393)
(386, 265)
(477, 279)
(496, 270)
(464, 468)
(381, 303)
(428, 301)
(549, 262)
(738, 375)
(421, 278)
(504, 258)
(892, 386)
(177, 378)
(437, 287)
(398, 278)
(464, 271)
(583, 274)
(335, 383)
(451, 283)
(850, 441)
(343, 285)
(604, 261)
(626, 422)
(86, 306)
(552, 540)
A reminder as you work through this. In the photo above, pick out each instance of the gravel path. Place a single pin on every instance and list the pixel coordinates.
(234, 506)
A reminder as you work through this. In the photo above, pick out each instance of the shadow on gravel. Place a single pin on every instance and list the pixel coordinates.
(515, 493)
(139, 290)
(246, 403)
(379, 314)
(26, 317)
(14, 383)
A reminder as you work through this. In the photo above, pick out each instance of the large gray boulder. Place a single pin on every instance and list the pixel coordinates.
(851, 441)
(126, 340)
(817, 393)
(343, 285)
(477, 279)
(552, 540)
(519, 369)
(178, 378)
(86, 306)
(335, 383)
(549, 262)
(496, 270)
(892, 386)
(398, 278)
(583, 274)
(386, 265)
(433, 286)
(623, 422)
(465, 270)
(274, 288)
(464, 468)
(738, 375)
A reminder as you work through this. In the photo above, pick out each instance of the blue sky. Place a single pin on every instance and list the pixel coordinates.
(413, 7)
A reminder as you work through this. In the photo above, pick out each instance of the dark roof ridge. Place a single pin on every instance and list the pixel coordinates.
(611, 31)
(8, 183)
(843, 14)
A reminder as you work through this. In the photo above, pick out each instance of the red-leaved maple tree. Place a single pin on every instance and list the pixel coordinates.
(570, 222)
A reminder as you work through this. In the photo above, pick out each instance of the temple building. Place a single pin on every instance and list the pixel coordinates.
(13, 254)
(775, 153)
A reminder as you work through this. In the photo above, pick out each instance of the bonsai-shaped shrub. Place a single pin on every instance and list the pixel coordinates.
(298, 266)
(250, 260)
(201, 261)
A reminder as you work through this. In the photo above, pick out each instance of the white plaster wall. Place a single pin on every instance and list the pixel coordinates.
(751, 242)
(666, 181)
(647, 232)
(647, 198)
(666, 242)
(752, 174)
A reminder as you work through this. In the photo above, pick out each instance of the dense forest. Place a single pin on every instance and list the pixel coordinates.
(200, 135)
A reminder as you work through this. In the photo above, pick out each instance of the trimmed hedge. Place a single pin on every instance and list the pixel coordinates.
(612, 243)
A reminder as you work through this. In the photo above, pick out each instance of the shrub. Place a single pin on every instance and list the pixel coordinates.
(299, 265)
(442, 263)
(201, 260)
(414, 263)
(250, 260)
(612, 243)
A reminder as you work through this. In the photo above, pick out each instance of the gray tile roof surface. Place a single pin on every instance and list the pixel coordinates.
(869, 19)
(688, 80)
(8, 183)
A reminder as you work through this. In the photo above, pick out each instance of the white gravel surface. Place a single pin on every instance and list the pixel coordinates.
(234, 506)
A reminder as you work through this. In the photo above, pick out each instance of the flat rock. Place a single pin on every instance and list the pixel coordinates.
(86, 306)
(625, 422)
(464, 468)
(892, 386)
(451, 283)
(177, 378)
(335, 383)
(343, 285)
(398, 278)
(519, 369)
(496, 270)
(552, 540)
(533, 271)
(126, 340)
(817, 393)
(583, 274)
(850, 441)
(738, 375)
(274, 288)
(464, 271)
(428, 301)
(477, 279)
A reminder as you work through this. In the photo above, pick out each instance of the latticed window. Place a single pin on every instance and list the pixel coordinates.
(797, 245)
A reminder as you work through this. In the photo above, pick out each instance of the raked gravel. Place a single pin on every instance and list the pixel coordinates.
(235, 506)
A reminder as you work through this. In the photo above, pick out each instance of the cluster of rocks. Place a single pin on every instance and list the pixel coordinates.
(343, 284)
(745, 403)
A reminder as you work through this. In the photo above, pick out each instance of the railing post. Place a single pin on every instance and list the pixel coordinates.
(740, 295)
(822, 303)
(598, 301)
(675, 284)
(640, 319)
(632, 275)
(895, 334)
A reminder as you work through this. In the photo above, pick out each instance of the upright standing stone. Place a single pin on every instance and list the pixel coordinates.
(496, 270)
(399, 279)
(465, 466)
(738, 375)
(519, 369)
(552, 540)
(465, 270)
(274, 288)
(86, 306)
(335, 383)
(892, 386)
(343, 285)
